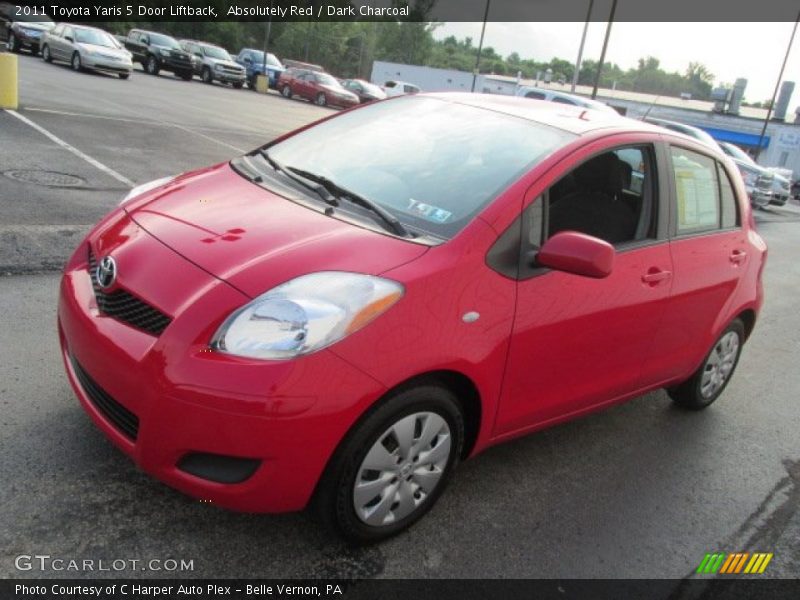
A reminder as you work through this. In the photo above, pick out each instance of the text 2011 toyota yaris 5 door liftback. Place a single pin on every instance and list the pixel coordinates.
(339, 317)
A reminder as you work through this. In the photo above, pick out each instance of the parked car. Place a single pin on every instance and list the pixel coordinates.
(535, 93)
(399, 88)
(86, 48)
(366, 91)
(758, 181)
(22, 31)
(254, 63)
(353, 309)
(316, 86)
(781, 183)
(213, 63)
(299, 64)
(159, 52)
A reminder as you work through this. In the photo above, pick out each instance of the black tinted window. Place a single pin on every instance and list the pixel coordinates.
(730, 214)
(535, 95)
(561, 100)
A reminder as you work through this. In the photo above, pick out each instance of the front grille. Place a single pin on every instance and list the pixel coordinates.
(126, 307)
(118, 415)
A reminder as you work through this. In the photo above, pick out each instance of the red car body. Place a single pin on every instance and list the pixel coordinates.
(546, 349)
(315, 86)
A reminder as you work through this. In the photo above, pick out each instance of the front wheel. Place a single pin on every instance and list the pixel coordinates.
(286, 91)
(709, 381)
(151, 66)
(124, 75)
(206, 75)
(393, 466)
(76, 62)
(13, 43)
(238, 85)
(46, 56)
(187, 75)
(321, 99)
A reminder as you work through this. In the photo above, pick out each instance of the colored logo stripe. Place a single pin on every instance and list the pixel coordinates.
(730, 564)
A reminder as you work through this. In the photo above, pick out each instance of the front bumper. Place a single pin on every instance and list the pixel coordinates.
(229, 77)
(286, 417)
(28, 40)
(102, 63)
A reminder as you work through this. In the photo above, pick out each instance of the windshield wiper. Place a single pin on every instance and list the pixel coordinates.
(340, 192)
(306, 182)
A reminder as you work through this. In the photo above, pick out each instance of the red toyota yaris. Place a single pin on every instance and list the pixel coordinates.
(337, 318)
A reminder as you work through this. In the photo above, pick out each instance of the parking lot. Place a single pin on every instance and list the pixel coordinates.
(643, 490)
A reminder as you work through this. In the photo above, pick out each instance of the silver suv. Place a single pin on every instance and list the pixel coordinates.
(213, 63)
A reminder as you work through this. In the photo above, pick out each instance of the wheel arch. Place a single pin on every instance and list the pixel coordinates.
(748, 319)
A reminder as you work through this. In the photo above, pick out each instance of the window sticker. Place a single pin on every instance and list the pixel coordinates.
(428, 211)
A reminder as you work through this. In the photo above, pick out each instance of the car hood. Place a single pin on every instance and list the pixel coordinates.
(254, 239)
(227, 63)
(339, 91)
(106, 50)
(35, 26)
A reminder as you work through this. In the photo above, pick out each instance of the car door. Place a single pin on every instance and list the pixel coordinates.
(580, 342)
(709, 252)
(63, 45)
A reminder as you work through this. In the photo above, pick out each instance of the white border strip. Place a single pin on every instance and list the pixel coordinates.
(74, 150)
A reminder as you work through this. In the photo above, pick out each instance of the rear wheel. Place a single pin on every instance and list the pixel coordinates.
(286, 91)
(187, 75)
(392, 467)
(124, 75)
(13, 43)
(46, 56)
(76, 62)
(205, 75)
(710, 380)
(321, 100)
(151, 65)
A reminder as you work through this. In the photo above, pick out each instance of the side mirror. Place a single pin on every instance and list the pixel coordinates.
(577, 253)
(247, 60)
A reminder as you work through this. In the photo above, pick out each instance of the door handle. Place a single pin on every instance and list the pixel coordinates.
(655, 276)
(738, 257)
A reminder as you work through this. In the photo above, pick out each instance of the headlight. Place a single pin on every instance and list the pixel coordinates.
(218, 67)
(163, 51)
(145, 187)
(305, 314)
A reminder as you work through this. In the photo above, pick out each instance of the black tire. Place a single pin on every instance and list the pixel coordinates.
(46, 56)
(124, 75)
(187, 75)
(334, 499)
(238, 85)
(690, 394)
(12, 45)
(286, 91)
(75, 61)
(151, 65)
(251, 83)
(321, 100)
(206, 76)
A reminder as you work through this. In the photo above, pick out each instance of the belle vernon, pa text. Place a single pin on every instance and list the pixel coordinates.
(136, 589)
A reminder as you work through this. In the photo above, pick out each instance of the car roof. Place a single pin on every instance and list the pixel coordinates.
(574, 119)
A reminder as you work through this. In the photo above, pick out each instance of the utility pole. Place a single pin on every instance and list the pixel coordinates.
(603, 53)
(480, 45)
(580, 49)
(777, 85)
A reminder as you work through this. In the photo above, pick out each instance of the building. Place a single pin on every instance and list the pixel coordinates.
(779, 148)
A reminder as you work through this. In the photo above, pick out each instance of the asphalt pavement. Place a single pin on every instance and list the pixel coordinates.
(643, 490)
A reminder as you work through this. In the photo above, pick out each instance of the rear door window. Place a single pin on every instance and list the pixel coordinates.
(696, 191)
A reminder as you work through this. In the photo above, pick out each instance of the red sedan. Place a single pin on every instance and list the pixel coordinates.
(318, 87)
(339, 317)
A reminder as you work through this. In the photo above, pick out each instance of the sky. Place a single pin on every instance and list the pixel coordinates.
(754, 51)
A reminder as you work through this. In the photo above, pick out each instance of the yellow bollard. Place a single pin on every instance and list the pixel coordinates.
(262, 84)
(9, 95)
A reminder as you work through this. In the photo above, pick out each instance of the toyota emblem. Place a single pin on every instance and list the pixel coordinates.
(106, 273)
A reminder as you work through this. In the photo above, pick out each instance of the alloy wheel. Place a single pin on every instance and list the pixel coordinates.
(719, 364)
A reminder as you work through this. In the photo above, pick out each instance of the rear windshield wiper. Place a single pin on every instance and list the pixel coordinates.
(340, 192)
(306, 182)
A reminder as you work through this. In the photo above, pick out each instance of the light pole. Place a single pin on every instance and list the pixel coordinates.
(480, 45)
(603, 53)
(580, 49)
(777, 84)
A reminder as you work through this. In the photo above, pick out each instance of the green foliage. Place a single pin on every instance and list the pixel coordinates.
(347, 49)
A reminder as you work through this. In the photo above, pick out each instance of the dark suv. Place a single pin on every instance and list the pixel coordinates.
(159, 52)
(20, 30)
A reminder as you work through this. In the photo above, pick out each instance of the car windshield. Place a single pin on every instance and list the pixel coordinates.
(432, 163)
(272, 61)
(164, 40)
(216, 52)
(737, 152)
(326, 79)
(94, 37)
(371, 88)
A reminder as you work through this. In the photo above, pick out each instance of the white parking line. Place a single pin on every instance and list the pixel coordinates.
(73, 149)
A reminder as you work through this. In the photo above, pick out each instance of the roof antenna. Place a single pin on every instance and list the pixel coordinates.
(649, 108)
